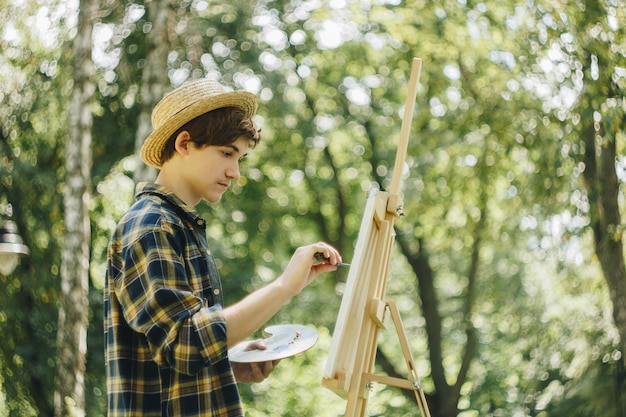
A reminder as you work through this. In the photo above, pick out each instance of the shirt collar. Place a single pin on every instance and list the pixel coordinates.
(145, 188)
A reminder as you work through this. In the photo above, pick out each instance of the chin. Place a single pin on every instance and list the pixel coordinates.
(213, 199)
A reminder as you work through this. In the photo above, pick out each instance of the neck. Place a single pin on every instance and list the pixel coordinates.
(175, 185)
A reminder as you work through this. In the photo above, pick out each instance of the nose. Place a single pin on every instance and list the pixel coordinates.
(233, 171)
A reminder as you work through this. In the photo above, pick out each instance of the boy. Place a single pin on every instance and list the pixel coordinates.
(166, 329)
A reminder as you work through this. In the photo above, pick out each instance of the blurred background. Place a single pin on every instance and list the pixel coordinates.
(508, 267)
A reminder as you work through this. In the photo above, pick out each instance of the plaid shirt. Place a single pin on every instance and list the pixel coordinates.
(165, 333)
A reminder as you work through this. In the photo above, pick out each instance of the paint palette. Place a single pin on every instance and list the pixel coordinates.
(283, 341)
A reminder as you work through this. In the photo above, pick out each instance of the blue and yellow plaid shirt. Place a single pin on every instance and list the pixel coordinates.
(165, 333)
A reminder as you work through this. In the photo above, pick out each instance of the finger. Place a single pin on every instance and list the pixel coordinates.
(324, 267)
(327, 253)
(268, 368)
(256, 372)
(258, 344)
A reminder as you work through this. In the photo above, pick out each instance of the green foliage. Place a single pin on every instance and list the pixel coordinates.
(492, 195)
(33, 117)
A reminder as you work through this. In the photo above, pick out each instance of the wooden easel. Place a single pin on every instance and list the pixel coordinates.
(363, 309)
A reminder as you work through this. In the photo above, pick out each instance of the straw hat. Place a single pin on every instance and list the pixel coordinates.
(185, 103)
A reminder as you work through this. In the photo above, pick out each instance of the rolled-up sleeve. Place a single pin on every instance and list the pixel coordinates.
(157, 301)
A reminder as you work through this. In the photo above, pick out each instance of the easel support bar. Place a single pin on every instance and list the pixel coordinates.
(377, 312)
(392, 381)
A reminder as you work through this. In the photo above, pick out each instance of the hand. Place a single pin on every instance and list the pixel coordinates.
(248, 315)
(255, 371)
(301, 269)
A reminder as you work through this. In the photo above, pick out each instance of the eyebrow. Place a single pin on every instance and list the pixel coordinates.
(236, 149)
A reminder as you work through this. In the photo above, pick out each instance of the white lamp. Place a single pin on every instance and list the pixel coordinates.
(11, 247)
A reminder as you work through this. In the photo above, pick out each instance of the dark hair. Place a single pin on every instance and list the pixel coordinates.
(218, 127)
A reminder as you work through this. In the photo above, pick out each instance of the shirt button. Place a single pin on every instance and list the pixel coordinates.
(216, 291)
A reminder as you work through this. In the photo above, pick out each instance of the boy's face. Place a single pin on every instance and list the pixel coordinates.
(209, 171)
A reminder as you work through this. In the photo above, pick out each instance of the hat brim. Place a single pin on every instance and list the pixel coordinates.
(152, 148)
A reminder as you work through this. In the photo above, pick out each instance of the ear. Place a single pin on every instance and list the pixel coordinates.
(182, 143)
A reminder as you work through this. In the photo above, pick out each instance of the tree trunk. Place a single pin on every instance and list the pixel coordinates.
(603, 193)
(69, 395)
(154, 80)
(602, 122)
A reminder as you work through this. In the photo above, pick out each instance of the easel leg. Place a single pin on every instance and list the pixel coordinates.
(357, 398)
(404, 344)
